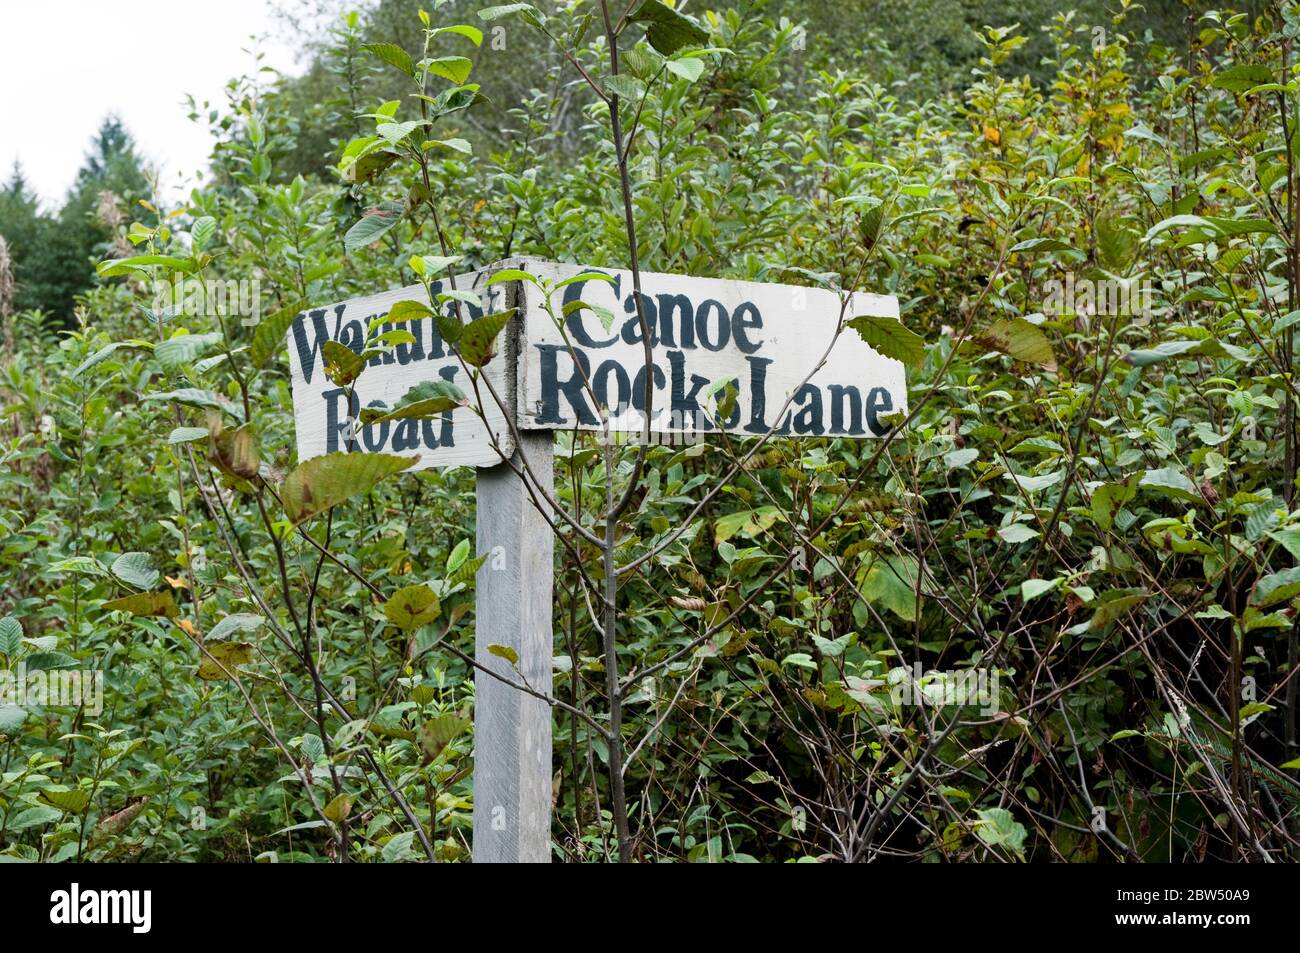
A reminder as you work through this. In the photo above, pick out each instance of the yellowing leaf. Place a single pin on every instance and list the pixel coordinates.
(412, 606)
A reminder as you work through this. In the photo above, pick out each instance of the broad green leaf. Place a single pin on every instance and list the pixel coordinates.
(234, 623)
(201, 232)
(667, 30)
(477, 343)
(338, 809)
(218, 658)
(997, 827)
(890, 582)
(689, 69)
(1021, 340)
(421, 402)
(525, 11)
(412, 606)
(269, 338)
(889, 337)
(326, 481)
(11, 636)
(50, 661)
(105, 352)
(454, 68)
(1033, 588)
(752, 523)
(136, 570)
(393, 55)
(144, 604)
(122, 266)
(187, 435)
(1018, 533)
(1240, 77)
(505, 652)
(1034, 246)
(68, 800)
(437, 733)
(1277, 587)
(342, 364)
(1171, 482)
(373, 225)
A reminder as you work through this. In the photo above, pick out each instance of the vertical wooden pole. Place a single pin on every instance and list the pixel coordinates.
(512, 730)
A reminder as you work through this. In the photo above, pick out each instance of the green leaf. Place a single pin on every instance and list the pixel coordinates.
(342, 364)
(505, 652)
(477, 342)
(752, 523)
(398, 847)
(998, 827)
(11, 719)
(456, 558)
(1289, 538)
(454, 68)
(338, 809)
(393, 55)
(690, 69)
(136, 570)
(1171, 482)
(202, 231)
(1034, 246)
(437, 733)
(50, 661)
(234, 623)
(269, 338)
(412, 606)
(105, 352)
(1109, 499)
(1033, 588)
(187, 434)
(1241, 77)
(1021, 340)
(421, 402)
(890, 582)
(525, 11)
(326, 481)
(625, 86)
(68, 800)
(1018, 533)
(889, 337)
(218, 658)
(144, 604)
(1277, 587)
(668, 31)
(34, 817)
(373, 225)
(192, 397)
(11, 636)
(604, 315)
(122, 266)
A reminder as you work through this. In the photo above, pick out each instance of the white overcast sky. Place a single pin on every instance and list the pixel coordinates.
(65, 64)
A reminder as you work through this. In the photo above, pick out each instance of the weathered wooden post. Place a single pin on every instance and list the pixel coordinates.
(512, 729)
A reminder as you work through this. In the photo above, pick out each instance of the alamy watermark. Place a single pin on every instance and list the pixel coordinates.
(979, 687)
(1130, 297)
(211, 297)
(61, 688)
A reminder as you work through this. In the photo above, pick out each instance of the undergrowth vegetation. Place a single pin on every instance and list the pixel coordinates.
(1091, 500)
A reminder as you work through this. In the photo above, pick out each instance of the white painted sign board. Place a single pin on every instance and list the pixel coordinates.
(323, 414)
(777, 345)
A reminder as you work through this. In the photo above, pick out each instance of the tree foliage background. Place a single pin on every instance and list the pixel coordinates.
(1092, 498)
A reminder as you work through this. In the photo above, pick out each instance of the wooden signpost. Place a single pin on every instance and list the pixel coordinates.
(574, 346)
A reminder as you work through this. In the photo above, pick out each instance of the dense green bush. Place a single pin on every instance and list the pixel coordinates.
(1092, 495)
